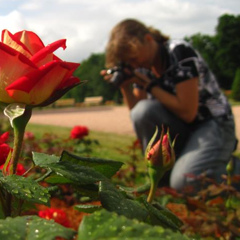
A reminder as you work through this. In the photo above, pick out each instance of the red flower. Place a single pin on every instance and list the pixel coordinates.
(4, 151)
(78, 132)
(4, 137)
(58, 215)
(20, 169)
(30, 72)
(29, 136)
(4, 147)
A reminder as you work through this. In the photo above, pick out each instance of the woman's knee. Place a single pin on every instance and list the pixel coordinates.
(141, 111)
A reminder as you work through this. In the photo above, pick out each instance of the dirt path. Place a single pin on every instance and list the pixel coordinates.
(113, 119)
(99, 118)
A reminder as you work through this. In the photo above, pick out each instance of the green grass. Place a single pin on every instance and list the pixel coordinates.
(109, 146)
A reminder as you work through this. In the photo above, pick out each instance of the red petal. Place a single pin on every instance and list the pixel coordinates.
(38, 86)
(47, 52)
(4, 137)
(30, 40)
(15, 43)
(13, 65)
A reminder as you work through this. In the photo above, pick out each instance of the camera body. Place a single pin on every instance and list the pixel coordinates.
(124, 71)
(120, 73)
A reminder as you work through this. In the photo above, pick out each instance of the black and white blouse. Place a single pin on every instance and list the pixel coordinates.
(186, 63)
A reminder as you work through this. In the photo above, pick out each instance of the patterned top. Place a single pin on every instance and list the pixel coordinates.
(186, 63)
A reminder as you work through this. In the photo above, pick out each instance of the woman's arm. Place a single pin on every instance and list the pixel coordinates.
(132, 95)
(185, 103)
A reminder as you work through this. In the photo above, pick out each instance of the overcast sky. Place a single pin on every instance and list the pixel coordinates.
(86, 23)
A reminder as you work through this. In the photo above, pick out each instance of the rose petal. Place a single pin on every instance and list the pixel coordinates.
(46, 54)
(30, 40)
(11, 41)
(4, 137)
(13, 65)
(38, 86)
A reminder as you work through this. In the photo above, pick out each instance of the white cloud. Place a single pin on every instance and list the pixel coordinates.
(86, 24)
(14, 21)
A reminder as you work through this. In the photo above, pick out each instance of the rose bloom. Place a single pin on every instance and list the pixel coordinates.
(20, 169)
(58, 215)
(4, 147)
(4, 137)
(4, 151)
(30, 73)
(29, 136)
(78, 132)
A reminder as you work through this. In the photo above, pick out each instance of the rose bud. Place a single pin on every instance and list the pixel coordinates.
(161, 158)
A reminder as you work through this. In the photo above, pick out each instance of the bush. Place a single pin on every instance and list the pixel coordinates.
(236, 86)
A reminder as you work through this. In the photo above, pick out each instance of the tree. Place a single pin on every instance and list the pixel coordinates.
(228, 54)
(236, 86)
(89, 70)
(222, 51)
(206, 46)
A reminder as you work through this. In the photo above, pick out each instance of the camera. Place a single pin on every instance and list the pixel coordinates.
(124, 71)
(120, 73)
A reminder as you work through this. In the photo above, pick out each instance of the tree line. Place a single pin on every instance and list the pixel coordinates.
(221, 52)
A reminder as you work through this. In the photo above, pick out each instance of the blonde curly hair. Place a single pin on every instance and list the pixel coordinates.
(125, 39)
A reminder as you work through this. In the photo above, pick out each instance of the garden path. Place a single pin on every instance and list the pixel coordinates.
(112, 119)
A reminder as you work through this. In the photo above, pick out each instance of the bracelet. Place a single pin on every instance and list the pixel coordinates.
(149, 87)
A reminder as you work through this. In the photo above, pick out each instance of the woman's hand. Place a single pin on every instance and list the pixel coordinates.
(105, 75)
(125, 83)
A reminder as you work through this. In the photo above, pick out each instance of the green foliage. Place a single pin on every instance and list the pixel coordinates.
(79, 172)
(228, 42)
(95, 86)
(106, 225)
(32, 228)
(87, 208)
(114, 200)
(235, 94)
(76, 170)
(25, 189)
(221, 51)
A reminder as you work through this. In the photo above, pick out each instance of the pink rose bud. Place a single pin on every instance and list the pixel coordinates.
(161, 158)
(162, 153)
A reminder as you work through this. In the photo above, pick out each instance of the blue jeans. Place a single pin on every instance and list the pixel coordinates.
(205, 148)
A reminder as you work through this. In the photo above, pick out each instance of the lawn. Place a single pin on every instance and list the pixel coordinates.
(110, 145)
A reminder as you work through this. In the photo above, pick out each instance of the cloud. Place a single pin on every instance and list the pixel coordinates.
(12, 21)
(86, 24)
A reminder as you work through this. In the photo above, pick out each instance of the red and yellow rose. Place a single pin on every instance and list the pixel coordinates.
(30, 72)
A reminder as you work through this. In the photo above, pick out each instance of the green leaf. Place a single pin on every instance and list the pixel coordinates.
(140, 189)
(165, 217)
(57, 179)
(106, 167)
(152, 140)
(26, 189)
(32, 228)
(41, 159)
(103, 225)
(79, 175)
(88, 208)
(90, 191)
(116, 201)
